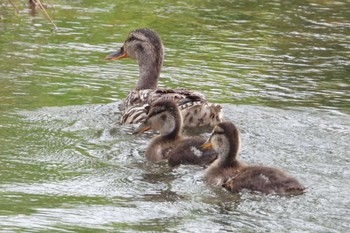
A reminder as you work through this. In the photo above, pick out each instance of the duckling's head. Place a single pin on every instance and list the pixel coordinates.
(225, 140)
(146, 47)
(164, 116)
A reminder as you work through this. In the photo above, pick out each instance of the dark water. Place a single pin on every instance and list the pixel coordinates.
(280, 69)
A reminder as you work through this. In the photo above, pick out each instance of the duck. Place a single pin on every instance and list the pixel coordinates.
(165, 116)
(145, 46)
(236, 176)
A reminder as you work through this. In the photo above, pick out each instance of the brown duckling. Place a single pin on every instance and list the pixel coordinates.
(235, 176)
(164, 116)
(145, 46)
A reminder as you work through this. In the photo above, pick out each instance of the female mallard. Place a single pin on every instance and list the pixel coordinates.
(165, 117)
(236, 176)
(146, 47)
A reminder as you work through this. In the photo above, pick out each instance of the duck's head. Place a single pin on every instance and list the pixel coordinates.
(139, 44)
(164, 116)
(145, 46)
(225, 139)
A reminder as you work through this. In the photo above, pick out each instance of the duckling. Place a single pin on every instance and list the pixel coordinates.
(145, 46)
(164, 116)
(234, 175)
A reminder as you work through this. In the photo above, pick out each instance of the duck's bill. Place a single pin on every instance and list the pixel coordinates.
(142, 128)
(207, 145)
(117, 55)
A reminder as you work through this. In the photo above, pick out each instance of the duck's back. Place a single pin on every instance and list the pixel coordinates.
(195, 109)
(265, 180)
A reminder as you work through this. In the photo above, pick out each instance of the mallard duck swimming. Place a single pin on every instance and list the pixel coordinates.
(165, 117)
(145, 46)
(236, 176)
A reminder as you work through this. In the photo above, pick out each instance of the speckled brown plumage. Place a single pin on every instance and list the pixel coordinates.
(145, 46)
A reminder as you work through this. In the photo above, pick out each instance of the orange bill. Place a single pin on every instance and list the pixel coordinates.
(207, 145)
(117, 55)
(142, 128)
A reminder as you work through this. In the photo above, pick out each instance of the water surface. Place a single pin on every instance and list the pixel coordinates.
(280, 69)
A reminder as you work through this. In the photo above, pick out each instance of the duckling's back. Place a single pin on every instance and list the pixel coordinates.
(189, 151)
(264, 179)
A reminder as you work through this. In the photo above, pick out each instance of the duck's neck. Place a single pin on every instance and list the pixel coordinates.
(149, 67)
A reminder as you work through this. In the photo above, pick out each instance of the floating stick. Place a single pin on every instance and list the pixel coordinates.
(14, 6)
(40, 5)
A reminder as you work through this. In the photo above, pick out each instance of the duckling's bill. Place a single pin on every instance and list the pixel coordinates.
(117, 55)
(142, 128)
(207, 145)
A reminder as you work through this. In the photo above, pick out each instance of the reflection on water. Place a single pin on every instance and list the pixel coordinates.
(276, 54)
(280, 68)
(90, 172)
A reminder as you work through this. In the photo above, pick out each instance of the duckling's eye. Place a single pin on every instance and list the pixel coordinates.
(163, 117)
(218, 132)
(160, 109)
(157, 111)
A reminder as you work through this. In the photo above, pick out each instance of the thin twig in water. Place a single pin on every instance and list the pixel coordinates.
(41, 7)
(14, 6)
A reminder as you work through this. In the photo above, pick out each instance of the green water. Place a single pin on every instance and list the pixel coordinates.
(280, 69)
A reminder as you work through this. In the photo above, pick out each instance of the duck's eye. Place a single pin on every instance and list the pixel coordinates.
(132, 38)
(139, 47)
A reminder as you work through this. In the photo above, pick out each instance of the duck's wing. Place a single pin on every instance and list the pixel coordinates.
(195, 109)
(148, 96)
(135, 114)
(138, 97)
(179, 95)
